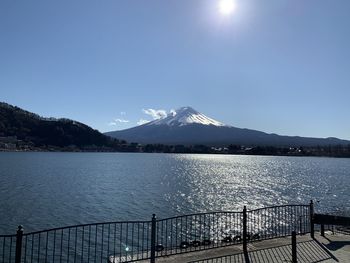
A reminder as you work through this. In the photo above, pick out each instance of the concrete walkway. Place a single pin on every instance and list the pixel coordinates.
(331, 248)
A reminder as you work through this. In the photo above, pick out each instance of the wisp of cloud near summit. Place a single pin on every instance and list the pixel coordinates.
(155, 114)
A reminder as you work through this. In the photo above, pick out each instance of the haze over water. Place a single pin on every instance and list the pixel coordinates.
(45, 190)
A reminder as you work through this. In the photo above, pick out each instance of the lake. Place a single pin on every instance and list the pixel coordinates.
(45, 190)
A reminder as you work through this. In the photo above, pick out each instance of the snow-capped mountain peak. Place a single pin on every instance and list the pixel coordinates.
(185, 116)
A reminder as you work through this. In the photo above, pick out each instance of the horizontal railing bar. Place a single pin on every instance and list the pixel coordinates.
(331, 220)
(84, 225)
(278, 206)
(232, 212)
(199, 214)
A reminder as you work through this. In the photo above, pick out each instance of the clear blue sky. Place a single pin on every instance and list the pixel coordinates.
(279, 66)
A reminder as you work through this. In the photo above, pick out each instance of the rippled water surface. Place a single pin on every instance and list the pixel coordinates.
(44, 190)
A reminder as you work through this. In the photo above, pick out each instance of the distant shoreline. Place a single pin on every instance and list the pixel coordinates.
(202, 153)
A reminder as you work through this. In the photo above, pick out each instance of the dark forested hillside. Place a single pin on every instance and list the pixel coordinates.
(21, 127)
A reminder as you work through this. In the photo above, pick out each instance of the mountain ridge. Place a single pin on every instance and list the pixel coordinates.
(195, 128)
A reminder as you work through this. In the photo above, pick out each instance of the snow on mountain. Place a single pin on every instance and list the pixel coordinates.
(184, 116)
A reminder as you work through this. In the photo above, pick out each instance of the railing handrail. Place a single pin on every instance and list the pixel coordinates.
(84, 225)
(231, 212)
(199, 214)
(277, 206)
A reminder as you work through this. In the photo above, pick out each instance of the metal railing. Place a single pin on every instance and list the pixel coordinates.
(8, 248)
(131, 241)
(278, 221)
(195, 232)
(333, 223)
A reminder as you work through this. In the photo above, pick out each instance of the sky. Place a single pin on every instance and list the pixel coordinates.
(279, 66)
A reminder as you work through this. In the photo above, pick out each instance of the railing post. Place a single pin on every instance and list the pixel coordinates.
(19, 237)
(153, 239)
(245, 248)
(294, 247)
(312, 227)
(322, 230)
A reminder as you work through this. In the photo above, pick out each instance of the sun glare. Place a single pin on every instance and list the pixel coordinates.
(226, 7)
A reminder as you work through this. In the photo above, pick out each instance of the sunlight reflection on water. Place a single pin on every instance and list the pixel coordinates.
(212, 182)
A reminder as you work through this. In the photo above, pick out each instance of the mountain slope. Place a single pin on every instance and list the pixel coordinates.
(42, 132)
(187, 126)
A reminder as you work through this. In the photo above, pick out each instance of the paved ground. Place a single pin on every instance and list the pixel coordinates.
(332, 248)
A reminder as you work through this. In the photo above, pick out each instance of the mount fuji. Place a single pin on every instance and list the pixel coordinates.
(189, 127)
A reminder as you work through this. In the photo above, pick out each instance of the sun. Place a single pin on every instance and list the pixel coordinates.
(226, 7)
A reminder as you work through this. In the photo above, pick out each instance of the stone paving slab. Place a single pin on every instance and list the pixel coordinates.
(308, 251)
(332, 248)
(338, 245)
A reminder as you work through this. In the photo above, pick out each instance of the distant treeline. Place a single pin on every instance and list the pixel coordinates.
(330, 151)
